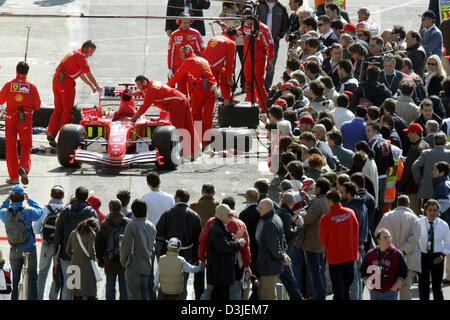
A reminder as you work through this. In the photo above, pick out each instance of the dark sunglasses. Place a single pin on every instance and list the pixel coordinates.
(432, 64)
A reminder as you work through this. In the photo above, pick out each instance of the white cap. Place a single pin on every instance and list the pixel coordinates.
(174, 243)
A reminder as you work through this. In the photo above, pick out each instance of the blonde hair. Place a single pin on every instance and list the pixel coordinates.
(440, 69)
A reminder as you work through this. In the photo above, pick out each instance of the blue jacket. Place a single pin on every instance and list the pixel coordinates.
(30, 213)
(432, 41)
(353, 131)
(358, 204)
(441, 192)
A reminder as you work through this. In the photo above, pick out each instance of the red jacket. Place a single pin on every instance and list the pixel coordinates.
(219, 51)
(20, 92)
(181, 38)
(161, 95)
(339, 234)
(232, 227)
(74, 64)
(264, 46)
(196, 69)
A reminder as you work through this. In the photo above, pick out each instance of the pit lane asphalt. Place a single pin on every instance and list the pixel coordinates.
(126, 48)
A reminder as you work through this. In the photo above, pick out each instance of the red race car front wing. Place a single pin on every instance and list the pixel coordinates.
(81, 155)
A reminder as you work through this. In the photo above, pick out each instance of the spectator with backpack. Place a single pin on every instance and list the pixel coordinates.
(18, 224)
(5, 280)
(96, 203)
(77, 211)
(108, 251)
(46, 226)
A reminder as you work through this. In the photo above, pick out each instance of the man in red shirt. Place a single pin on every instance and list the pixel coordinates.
(185, 35)
(263, 60)
(22, 98)
(72, 66)
(202, 88)
(173, 101)
(339, 234)
(220, 53)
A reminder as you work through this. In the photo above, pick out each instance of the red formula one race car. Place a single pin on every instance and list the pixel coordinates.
(152, 139)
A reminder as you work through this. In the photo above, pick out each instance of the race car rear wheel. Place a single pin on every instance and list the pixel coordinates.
(167, 140)
(70, 138)
(76, 111)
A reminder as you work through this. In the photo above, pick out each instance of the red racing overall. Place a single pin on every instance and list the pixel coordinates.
(178, 39)
(72, 65)
(19, 93)
(173, 101)
(220, 52)
(200, 80)
(264, 51)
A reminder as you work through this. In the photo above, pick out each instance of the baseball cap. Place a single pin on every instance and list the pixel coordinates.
(174, 243)
(282, 103)
(222, 209)
(94, 201)
(17, 189)
(429, 14)
(349, 27)
(414, 127)
(349, 94)
(286, 84)
(306, 119)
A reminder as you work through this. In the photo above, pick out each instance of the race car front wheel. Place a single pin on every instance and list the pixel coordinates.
(167, 140)
(70, 138)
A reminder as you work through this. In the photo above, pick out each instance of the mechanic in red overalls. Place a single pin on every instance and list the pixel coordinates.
(220, 53)
(22, 98)
(173, 101)
(185, 35)
(72, 66)
(264, 56)
(202, 89)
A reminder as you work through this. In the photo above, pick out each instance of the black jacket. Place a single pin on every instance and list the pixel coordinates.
(221, 255)
(367, 182)
(383, 156)
(420, 120)
(332, 38)
(68, 220)
(371, 205)
(290, 229)
(393, 84)
(272, 246)
(375, 91)
(175, 7)
(183, 223)
(333, 74)
(392, 135)
(418, 58)
(322, 11)
(435, 88)
(280, 18)
(250, 216)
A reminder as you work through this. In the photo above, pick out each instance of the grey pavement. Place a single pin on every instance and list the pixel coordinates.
(126, 48)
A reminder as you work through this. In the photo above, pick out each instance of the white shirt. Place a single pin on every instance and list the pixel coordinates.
(441, 235)
(157, 202)
(269, 15)
(341, 115)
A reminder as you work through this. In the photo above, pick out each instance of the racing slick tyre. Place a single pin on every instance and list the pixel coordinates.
(167, 140)
(239, 139)
(3, 146)
(70, 138)
(240, 115)
(76, 111)
(41, 117)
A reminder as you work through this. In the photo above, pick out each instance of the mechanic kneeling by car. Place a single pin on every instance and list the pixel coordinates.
(173, 101)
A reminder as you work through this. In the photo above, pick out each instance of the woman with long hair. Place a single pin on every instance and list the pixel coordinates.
(434, 75)
(81, 243)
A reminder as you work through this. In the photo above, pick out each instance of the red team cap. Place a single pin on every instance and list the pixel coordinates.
(281, 102)
(349, 94)
(286, 84)
(306, 119)
(349, 27)
(414, 127)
